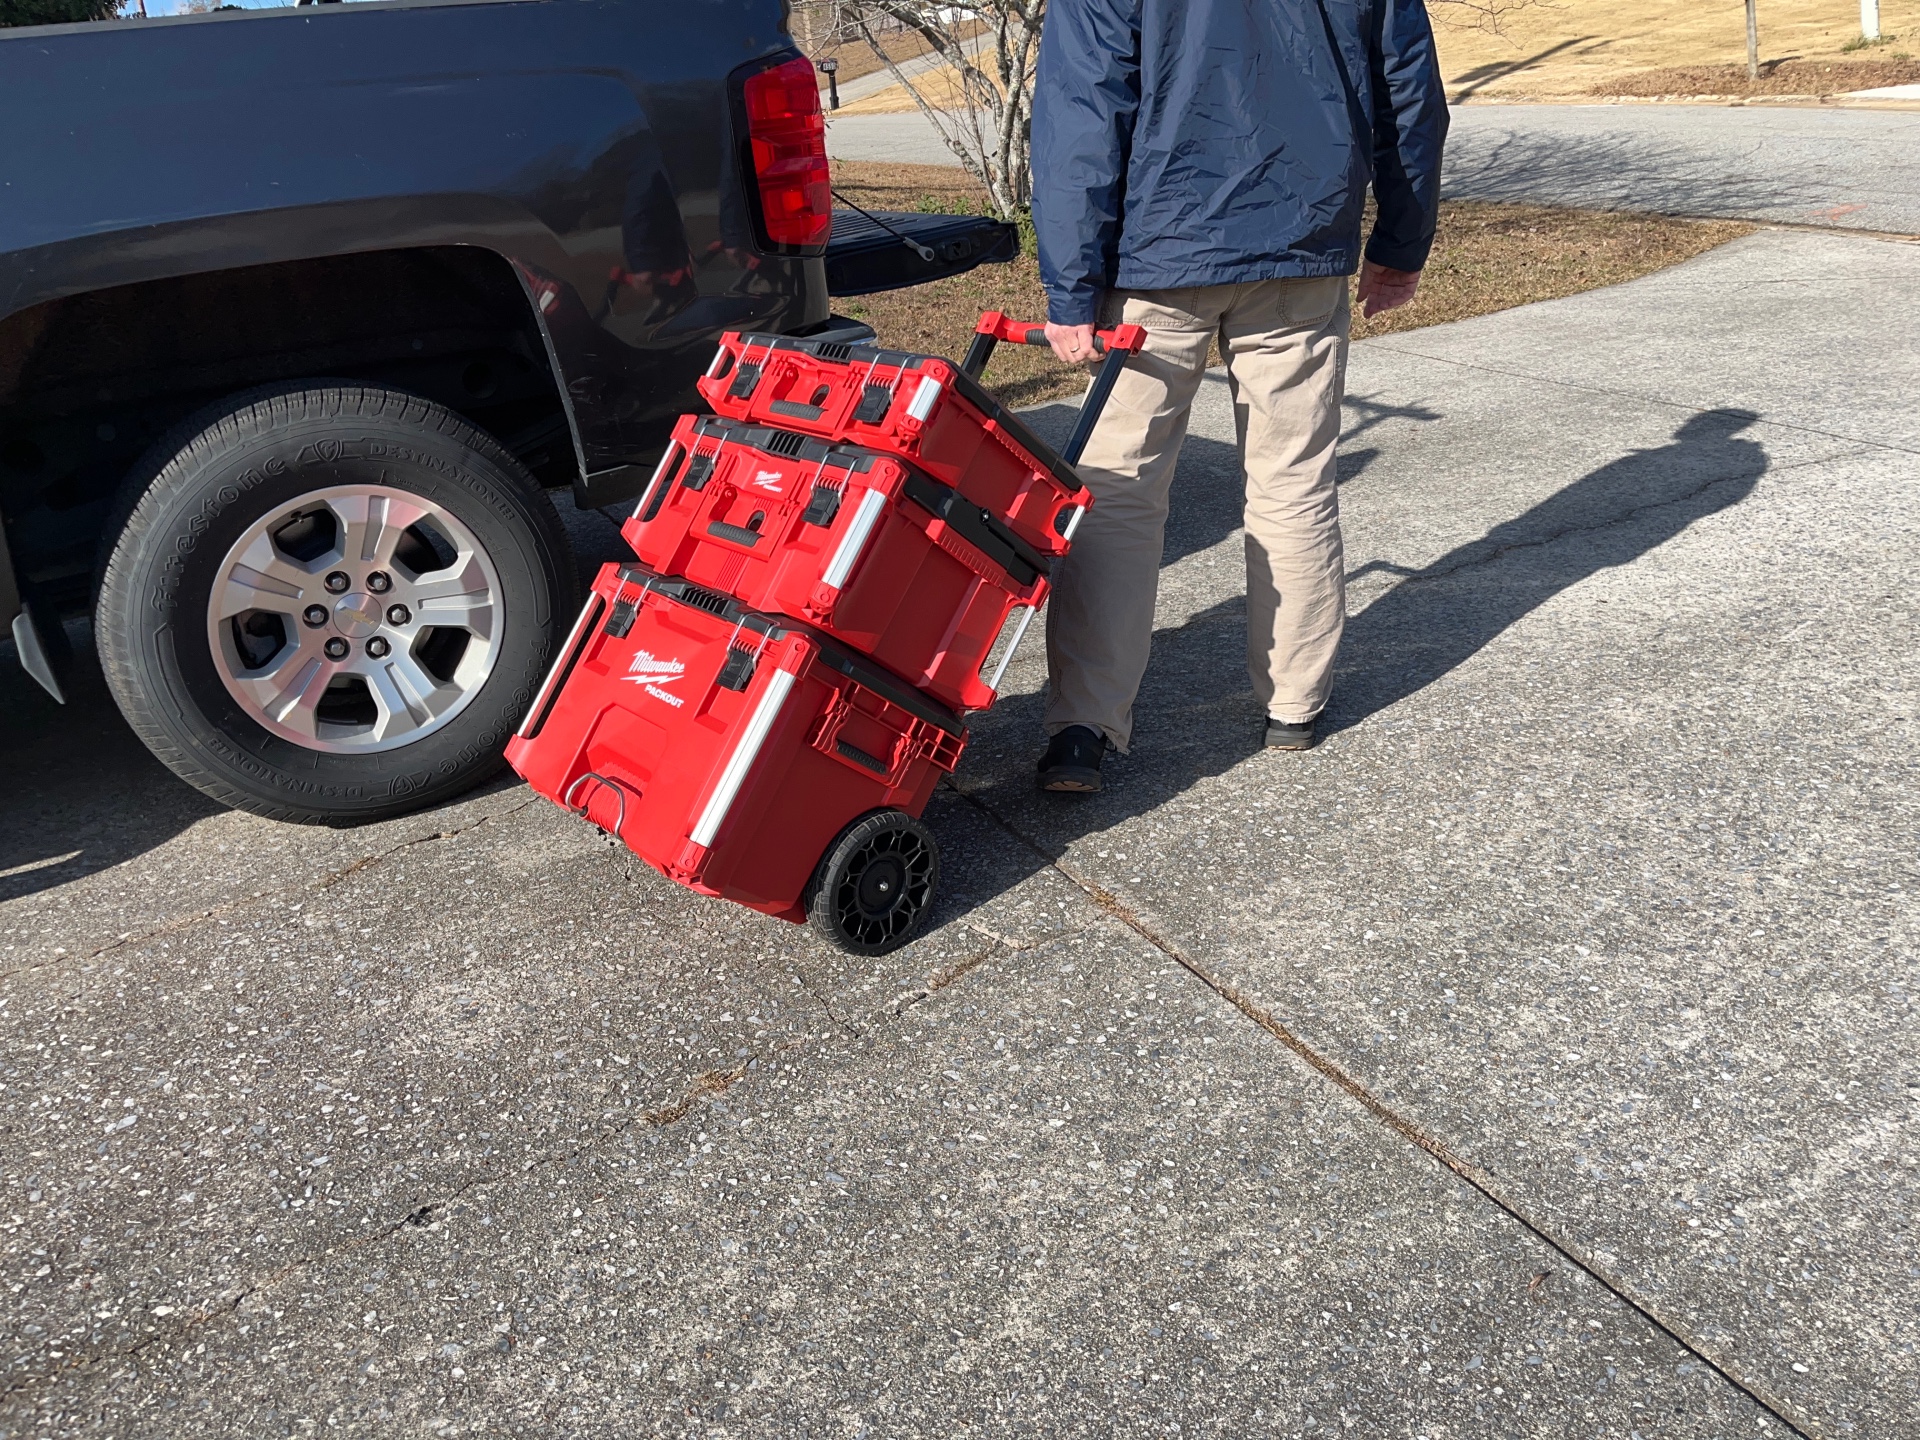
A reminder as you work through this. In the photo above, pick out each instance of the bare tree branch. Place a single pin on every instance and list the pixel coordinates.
(987, 50)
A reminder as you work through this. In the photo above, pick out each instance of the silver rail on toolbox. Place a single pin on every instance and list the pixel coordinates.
(855, 540)
(560, 663)
(667, 462)
(1006, 656)
(744, 754)
(1026, 615)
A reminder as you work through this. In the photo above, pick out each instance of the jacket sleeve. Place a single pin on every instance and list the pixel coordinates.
(1409, 131)
(1086, 94)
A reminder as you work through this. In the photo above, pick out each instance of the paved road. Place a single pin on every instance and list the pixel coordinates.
(1826, 165)
(1533, 1059)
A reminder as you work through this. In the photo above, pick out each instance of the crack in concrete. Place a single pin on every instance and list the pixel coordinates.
(1436, 1149)
(182, 923)
(420, 1215)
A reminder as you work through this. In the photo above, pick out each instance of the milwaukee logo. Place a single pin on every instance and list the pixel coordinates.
(769, 480)
(653, 675)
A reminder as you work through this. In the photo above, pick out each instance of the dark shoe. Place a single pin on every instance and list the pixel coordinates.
(1072, 761)
(1285, 735)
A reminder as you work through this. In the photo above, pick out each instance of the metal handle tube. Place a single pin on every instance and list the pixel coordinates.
(1019, 632)
(1090, 408)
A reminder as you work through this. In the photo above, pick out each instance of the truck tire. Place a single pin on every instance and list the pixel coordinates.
(330, 603)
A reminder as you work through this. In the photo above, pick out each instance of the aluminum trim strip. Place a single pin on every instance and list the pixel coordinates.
(771, 699)
(855, 540)
(923, 399)
(588, 613)
(667, 462)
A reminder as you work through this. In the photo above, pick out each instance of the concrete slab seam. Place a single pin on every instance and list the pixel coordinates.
(1435, 1149)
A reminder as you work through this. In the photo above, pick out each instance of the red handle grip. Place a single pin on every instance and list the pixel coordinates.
(1128, 338)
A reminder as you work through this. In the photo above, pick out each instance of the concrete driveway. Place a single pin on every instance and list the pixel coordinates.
(1534, 1058)
(1812, 165)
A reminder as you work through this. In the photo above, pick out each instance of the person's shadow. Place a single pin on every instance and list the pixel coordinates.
(1196, 716)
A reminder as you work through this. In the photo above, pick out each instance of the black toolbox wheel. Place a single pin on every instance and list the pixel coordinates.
(330, 602)
(875, 885)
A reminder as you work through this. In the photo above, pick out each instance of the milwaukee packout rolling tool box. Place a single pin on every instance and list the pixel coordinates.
(928, 411)
(732, 752)
(876, 553)
(762, 708)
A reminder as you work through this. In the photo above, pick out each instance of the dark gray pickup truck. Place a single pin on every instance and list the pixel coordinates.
(302, 312)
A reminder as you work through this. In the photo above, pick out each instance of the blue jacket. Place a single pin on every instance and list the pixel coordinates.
(1205, 142)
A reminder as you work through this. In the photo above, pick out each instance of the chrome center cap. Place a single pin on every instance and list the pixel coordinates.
(356, 616)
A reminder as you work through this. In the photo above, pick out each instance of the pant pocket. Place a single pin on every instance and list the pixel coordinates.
(1310, 300)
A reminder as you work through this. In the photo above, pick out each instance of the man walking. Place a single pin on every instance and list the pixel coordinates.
(1200, 168)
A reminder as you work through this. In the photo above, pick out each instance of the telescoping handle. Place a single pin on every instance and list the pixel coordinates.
(1115, 344)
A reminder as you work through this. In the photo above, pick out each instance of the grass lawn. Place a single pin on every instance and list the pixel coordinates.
(1488, 257)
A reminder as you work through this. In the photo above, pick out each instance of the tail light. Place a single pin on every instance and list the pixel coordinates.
(788, 135)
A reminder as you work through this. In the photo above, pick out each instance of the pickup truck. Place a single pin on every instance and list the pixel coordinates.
(304, 311)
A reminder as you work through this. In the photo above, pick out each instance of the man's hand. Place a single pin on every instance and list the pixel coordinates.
(1072, 343)
(1382, 288)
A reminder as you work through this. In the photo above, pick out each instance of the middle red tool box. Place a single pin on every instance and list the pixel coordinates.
(730, 751)
(879, 555)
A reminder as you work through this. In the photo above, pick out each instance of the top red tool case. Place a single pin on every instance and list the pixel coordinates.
(922, 408)
(744, 756)
(862, 545)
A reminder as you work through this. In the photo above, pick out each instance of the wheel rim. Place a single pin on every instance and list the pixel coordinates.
(884, 886)
(355, 619)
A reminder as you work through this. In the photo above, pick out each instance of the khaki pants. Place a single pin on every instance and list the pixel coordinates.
(1285, 343)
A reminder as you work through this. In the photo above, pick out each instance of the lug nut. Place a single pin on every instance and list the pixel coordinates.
(336, 648)
(377, 647)
(337, 582)
(379, 582)
(315, 615)
(399, 615)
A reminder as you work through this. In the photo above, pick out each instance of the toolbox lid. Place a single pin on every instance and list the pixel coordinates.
(868, 354)
(788, 443)
(777, 627)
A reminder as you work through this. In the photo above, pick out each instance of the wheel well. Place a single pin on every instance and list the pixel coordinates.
(87, 382)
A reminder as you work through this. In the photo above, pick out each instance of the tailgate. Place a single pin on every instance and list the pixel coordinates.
(876, 249)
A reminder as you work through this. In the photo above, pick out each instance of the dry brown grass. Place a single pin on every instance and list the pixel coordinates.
(1789, 77)
(1570, 49)
(1487, 258)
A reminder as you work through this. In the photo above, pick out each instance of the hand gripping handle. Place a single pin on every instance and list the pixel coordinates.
(1116, 344)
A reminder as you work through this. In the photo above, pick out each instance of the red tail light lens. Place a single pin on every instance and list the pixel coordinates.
(789, 139)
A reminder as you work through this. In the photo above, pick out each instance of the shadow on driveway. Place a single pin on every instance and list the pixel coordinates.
(1196, 717)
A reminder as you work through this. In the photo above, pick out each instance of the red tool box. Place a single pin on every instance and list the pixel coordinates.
(926, 410)
(882, 557)
(744, 756)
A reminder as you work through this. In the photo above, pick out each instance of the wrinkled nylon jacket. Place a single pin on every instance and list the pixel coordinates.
(1206, 142)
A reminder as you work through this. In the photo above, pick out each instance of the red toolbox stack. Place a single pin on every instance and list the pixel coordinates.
(838, 537)
(760, 709)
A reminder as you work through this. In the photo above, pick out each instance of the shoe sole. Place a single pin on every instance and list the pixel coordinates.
(1070, 784)
(1275, 745)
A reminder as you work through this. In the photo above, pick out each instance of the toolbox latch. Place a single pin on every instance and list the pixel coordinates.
(875, 401)
(824, 505)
